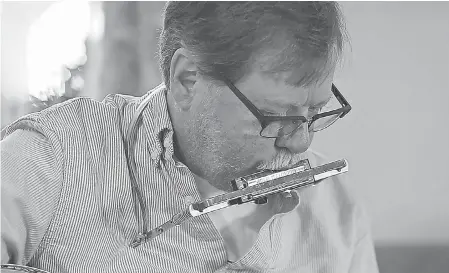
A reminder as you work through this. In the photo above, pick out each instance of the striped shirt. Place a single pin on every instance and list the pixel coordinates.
(67, 203)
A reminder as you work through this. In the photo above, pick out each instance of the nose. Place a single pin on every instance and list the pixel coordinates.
(298, 141)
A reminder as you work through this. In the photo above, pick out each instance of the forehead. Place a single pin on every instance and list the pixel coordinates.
(280, 90)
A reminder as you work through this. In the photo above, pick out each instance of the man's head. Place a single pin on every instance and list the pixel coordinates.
(280, 55)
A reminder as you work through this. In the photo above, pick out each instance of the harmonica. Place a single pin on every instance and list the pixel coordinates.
(252, 188)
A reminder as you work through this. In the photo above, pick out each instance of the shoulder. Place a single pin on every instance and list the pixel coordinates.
(81, 113)
(31, 168)
(28, 153)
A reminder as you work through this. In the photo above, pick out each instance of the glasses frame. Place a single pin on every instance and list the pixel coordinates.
(265, 120)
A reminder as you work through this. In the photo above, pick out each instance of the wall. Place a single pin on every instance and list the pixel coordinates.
(396, 139)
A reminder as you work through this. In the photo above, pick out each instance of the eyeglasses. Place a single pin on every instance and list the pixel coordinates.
(274, 126)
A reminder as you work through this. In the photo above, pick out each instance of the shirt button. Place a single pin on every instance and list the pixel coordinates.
(189, 200)
(166, 142)
(154, 154)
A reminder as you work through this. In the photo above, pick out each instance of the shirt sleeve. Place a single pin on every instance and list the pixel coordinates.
(30, 188)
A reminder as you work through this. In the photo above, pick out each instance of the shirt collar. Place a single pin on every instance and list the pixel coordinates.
(157, 124)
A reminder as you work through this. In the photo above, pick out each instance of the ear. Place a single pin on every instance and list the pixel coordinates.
(183, 76)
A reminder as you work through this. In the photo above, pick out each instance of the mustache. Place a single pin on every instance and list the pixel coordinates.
(284, 159)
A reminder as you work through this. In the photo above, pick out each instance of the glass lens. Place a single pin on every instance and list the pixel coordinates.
(280, 128)
(324, 122)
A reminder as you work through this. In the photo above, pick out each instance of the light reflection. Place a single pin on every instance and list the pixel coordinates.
(56, 41)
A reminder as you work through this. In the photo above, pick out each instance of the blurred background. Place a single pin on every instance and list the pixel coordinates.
(395, 74)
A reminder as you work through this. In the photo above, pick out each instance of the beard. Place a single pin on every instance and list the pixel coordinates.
(223, 160)
(283, 160)
(218, 158)
(219, 172)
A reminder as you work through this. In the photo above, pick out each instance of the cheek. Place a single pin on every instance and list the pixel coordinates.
(245, 133)
(240, 133)
(240, 123)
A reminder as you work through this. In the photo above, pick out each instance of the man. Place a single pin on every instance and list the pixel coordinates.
(84, 180)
